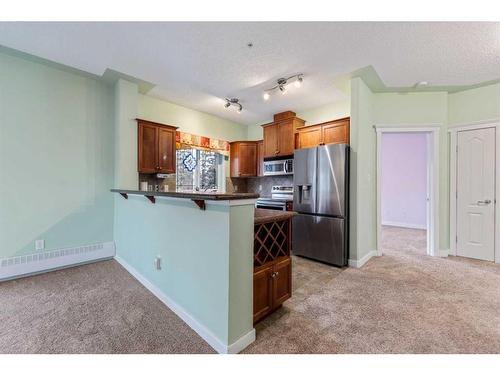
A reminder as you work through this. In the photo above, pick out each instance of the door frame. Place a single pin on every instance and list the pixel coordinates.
(453, 138)
(432, 131)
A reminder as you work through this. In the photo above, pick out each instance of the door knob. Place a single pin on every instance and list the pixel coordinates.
(485, 202)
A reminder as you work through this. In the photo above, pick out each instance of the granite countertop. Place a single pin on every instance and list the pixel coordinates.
(209, 196)
(263, 215)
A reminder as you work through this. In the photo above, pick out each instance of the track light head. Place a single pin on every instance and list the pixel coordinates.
(281, 84)
(235, 102)
(298, 82)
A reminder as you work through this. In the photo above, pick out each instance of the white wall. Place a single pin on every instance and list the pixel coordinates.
(404, 179)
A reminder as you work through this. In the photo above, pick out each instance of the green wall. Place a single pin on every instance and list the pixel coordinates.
(362, 177)
(207, 258)
(189, 120)
(126, 107)
(402, 110)
(56, 157)
(474, 105)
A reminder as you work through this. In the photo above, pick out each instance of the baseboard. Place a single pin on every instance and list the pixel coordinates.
(241, 343)
(443, 253)
(360, 263)
(32, 264)
(403, 225)
(199, 328)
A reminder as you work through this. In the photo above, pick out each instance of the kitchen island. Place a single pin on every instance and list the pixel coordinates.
(194, 251)
(272, 280)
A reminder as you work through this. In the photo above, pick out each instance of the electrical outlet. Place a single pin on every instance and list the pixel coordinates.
(260, 187)
(235, 187)
(157, 263)
(39, 244)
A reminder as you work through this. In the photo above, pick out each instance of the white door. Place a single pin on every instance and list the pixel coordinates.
(476, 194)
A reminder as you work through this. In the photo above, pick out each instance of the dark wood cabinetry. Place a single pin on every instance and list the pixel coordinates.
(272, 285)
(282, 281)
(262, 292)
(330, 132)
(279, 136)
(243, 159)
(156, 147)
(272, 281)
(260, 158)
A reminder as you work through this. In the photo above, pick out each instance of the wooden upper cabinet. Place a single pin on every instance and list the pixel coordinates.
(166, 150)
(260, 158)
(148, 155)
(243, 159)
(330, 132)
(309, 136)
(286, 138)
(156, 147)
(336, 132)
(279, 136)
(271, 134)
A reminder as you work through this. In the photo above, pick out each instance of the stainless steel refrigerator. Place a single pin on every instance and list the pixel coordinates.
(321, 199)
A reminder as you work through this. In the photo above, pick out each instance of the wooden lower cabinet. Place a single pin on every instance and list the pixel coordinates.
(262, 292)
(272, 285)
(282, 281)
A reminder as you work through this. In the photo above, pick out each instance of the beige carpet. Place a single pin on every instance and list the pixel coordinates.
(403, 302)
(96, 308)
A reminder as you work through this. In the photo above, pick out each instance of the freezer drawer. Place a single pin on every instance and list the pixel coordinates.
(320, 238)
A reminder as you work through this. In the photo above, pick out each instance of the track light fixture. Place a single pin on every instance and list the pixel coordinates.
(235, 102)
(281, 85)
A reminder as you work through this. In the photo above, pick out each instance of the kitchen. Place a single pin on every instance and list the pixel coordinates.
(263, 169)
(196, 202)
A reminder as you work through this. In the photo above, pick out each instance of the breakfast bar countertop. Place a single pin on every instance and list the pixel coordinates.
(209, 196)
(263, 215)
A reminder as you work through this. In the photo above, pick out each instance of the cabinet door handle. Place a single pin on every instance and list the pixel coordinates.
(485, 202)
(274, 274)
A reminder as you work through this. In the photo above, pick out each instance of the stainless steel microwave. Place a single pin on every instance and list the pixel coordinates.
(278, 167)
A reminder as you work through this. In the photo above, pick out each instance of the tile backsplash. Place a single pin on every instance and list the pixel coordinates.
(151, 179)
(262, 185)
(259, 185)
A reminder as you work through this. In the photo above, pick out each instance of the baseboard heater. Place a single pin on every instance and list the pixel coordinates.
(25, 265)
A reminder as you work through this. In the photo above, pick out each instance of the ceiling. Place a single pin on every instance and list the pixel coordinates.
(198, 64)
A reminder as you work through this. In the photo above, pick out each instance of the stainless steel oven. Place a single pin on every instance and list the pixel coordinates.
(271, 204)
(278, 167)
